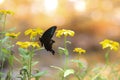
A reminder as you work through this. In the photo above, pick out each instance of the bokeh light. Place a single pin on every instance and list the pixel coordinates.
(1, 1)
(79, 5)
(50, 5)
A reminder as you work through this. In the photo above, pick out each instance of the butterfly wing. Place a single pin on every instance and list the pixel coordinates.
(48, 46)
(48, 34)
(46, 39)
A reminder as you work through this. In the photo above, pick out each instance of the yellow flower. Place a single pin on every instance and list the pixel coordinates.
(27, 44)
(113, 45)
(35, 44)
(5, 12)
(23, 44)
(13, 35)
(64, 32)
(79, 50)
(33, 32)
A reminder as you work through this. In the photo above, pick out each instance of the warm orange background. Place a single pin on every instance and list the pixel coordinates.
(92, 21)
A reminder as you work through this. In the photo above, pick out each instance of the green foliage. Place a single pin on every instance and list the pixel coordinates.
(27, 64)
(23, 74)
(81, 71)
(81, 65)
(6, 45)
(68, 72)
(39, 74)
(100, 78)
(59, 68)
(63, 51)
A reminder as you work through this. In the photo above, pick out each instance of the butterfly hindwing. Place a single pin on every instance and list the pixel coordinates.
(46, 39)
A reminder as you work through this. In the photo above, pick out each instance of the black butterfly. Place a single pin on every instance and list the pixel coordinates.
(46, 39)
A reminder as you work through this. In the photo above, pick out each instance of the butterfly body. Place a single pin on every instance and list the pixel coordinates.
(46, 39)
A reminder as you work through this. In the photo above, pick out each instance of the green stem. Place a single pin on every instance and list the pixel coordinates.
(2, 64)
(66, 55)
(3, 27)
(1, 46)
(63, 78)
(66, 62)
(11, 59)
(4, 22)
(107, 56)
(30, 64)
(65, 39)
(77, 77)
(10, 73)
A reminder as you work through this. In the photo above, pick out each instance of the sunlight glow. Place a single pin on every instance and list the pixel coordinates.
(116, 16)
(37, 6)
(79, 5)
(50, 5)
(1, 1)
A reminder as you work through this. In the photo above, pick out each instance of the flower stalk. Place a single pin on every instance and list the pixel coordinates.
(107, 55)
(67, 55)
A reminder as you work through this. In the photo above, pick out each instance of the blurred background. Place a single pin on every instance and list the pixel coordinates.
(92, 21)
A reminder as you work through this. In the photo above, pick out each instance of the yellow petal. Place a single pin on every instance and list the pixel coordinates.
(27, 32)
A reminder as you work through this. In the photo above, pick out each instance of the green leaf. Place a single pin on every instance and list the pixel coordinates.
(68, 72)
(5, 51)
(1, 73)
(17, 59)
(25, 67)
(80, 63)
(63, 51)
(97, 69)
(68, 42)
(34, 63)
(22, 51)
(12, 29)
(24, 54)
(5, 39)
(99, 77)
(59, 68)
(119, 78)
(25, 57)
(66, 52)
(11, 58)
(39, 74)
(8, 76)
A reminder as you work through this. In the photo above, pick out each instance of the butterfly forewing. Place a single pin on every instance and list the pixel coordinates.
(48, 34)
